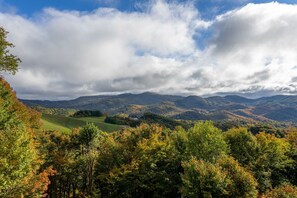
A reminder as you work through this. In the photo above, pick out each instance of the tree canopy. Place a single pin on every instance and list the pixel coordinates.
(8, 62)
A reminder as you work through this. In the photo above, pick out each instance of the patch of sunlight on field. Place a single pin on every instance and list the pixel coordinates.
(65, 124)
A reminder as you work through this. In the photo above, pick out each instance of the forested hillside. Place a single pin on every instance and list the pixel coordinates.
(276, 108)
(21, 170)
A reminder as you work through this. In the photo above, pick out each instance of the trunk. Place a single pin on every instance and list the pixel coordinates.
(73, 188)
(60, 189)
(64, 189)
(68, 189)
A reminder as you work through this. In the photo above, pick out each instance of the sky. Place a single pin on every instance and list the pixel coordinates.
(72, 48)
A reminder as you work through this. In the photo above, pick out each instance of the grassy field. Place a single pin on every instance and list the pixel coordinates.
(65, 124)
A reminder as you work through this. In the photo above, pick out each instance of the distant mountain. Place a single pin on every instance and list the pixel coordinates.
(231, 107)
(238, 99)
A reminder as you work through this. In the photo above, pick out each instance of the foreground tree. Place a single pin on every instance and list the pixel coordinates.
(19, 158)
(266, 155)
(243, 145)
(204, 179)
(271, 160)
(20, 173)
(206, 142)
(8, 62)
(243, 184)
(226, 178)
(138, 162)
(291, 172)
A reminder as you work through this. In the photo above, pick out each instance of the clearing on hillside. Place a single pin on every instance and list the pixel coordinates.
(65, 124)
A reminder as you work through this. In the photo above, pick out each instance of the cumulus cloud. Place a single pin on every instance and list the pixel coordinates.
(93, 52)
(66, 54)
(256, 45)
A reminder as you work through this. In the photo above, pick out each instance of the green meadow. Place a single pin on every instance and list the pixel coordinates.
(66, 124)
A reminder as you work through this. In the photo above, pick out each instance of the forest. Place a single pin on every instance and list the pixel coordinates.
(146, 160)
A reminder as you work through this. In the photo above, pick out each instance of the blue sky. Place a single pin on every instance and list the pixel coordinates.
(208, 8)
(71, 48)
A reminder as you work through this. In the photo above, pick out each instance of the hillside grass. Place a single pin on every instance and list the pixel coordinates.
(66, 124)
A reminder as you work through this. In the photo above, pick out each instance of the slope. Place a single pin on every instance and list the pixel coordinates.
(65, 124)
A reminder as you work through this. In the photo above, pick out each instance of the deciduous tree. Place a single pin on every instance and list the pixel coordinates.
(8, 62)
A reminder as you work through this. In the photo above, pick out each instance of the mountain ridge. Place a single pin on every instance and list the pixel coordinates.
(273, 108)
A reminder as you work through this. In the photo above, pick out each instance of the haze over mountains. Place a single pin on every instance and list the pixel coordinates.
(231, 107)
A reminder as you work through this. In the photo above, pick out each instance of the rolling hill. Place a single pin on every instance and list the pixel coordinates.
(232, 107)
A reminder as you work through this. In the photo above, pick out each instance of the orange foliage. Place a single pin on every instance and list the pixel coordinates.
(42, 181)
(28, 116)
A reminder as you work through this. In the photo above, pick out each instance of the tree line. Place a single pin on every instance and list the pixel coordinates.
(152, 161)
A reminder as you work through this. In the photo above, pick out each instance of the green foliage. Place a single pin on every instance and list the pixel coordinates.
(151, 161)
(8, 62)
(270, 129)
(243, 145)
(13, 112)
(88, 133)
(17, 160)
(152, 118)
(206, 142)
(54, 111)
(291, 172)
(225, 125)
(141, 163)
(87, 113)
(266, 155)
(226, 178)
(59, 151)
(243, 184)
(270, 160)
(179, 138)
(122, 120)
(204, 179)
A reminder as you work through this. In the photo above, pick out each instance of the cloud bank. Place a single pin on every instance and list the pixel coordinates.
(67, 54)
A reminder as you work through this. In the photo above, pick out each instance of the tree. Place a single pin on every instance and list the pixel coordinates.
(8, 62)
(138, 162)
(204, 179)
(16, 161)
(179, 138)
(206, 142)
(88, 133)
(226, 178)
(90, 137)
(291, 172)
(20, 162)
(243, 184)
(271, 160)
(19, 158)
(243, 145)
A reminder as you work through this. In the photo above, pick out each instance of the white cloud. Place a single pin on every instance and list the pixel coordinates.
(70, 53)
(256, 38)
(91, 52)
